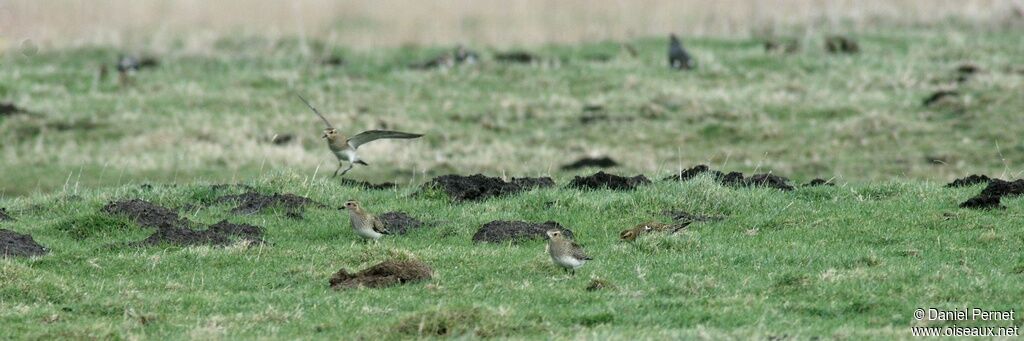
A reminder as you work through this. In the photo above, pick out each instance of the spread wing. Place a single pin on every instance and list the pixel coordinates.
(317, 112)
(379, 226)
(373, 135)
(577, 252)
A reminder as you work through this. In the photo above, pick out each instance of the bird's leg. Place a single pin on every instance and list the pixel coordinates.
(573, 272)
(350, 165)
(337, 170)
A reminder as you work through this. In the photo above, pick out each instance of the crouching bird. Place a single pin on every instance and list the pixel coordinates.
(364, 224)
(344, 148)
(564, 252)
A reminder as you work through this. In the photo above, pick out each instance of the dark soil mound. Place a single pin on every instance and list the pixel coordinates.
(734, 179)
(9, 109)
(219, 234)
(531, 183)
(991, 195)
(970, 180)
(515, 57)
(253, 202)
(13, 244)
(4, 216)
(399, 222)
(174, 230)
(691, 173)
(384, 274)
(500, 231)
(602, 180)
(819, 182)
(937, 96)
(368, 185)
(244, 231)
(182, 236)
(768, 180)
(600, 162)
(480, 187)
(841, 44)
(146, 214)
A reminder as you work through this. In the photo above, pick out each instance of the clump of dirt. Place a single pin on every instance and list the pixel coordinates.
(4, 216)
(768, 180)
(146, 214)
(9, 109)
(970, 180)
(13, 244)
(219, 234)
(531, 183)
(480, 187)
(399, 222)
(521, 57)
(500, 231)
(253, 202)
(691, 173)
(990, 197)
(937, 96)
(602, 180)
(384, 274)
(735, 179)
(598, 284)
(248, 232)
(368, 185)
(600, 162)
(174, 230)
(819, 182)
(841, 44)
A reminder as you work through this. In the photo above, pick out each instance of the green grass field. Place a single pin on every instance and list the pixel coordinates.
(851, 261)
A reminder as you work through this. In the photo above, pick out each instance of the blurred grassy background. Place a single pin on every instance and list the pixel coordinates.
(370, 24)
(222, 90)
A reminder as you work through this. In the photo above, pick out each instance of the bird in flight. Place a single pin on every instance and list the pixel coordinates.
(344, 148)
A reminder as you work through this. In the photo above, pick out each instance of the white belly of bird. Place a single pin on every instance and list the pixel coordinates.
(347, 155)
(361, 229)
(568, 262)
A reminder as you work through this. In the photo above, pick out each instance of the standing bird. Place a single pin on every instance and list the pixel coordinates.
(129, 65)
(344, 148)
(126, 66)
(364, 224)
(678, 58)
(564, 252)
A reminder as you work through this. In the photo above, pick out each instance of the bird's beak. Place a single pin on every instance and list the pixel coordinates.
(324, 136)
